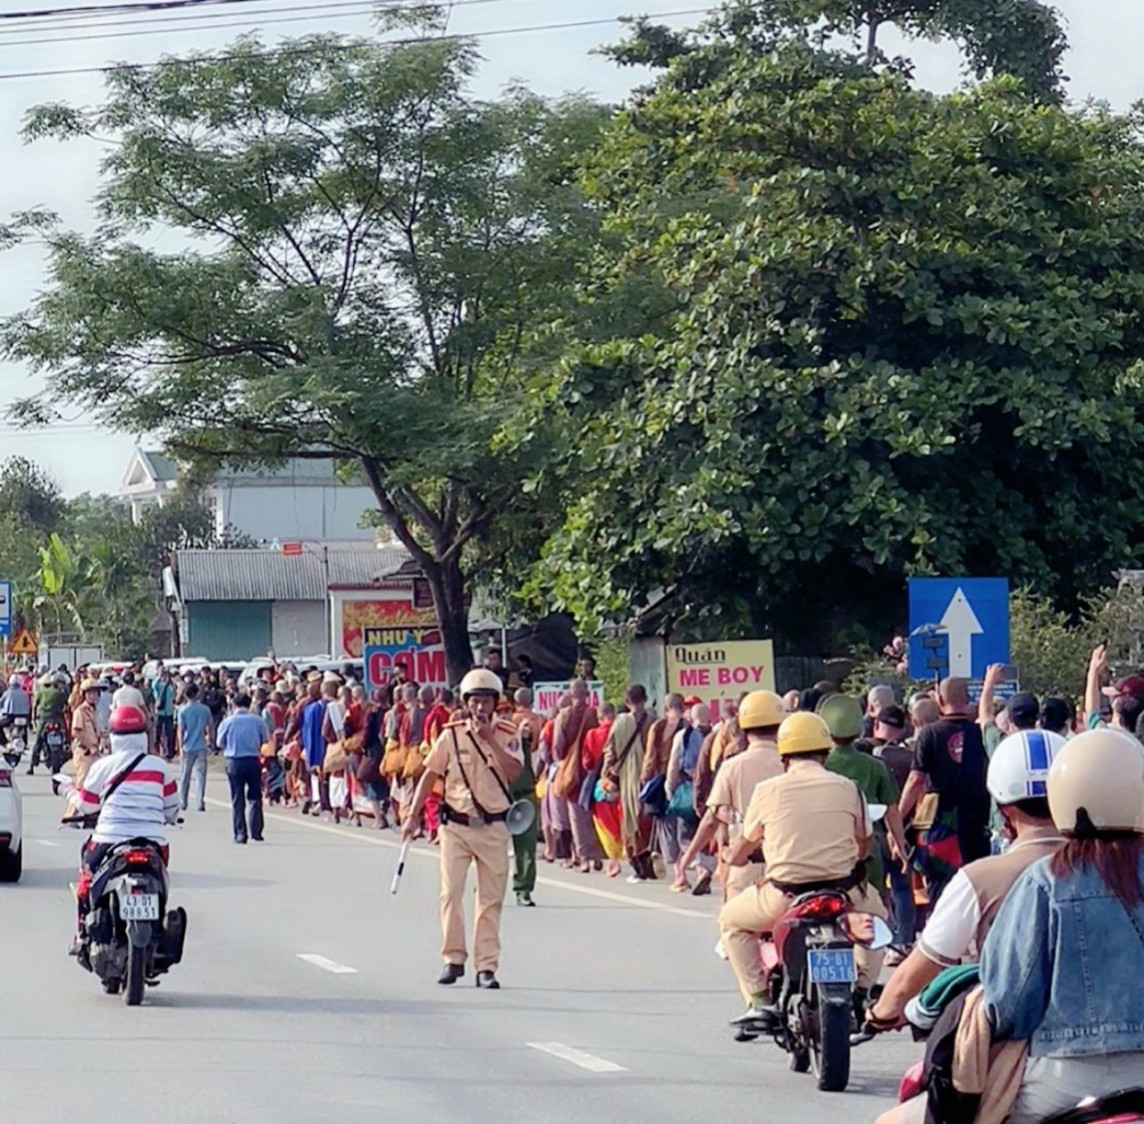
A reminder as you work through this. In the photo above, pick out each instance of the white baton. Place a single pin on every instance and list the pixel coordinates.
(400, 867)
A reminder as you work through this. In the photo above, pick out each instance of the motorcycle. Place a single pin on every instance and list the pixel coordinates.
(55, 746)
(17, 741)
(129, 938)
(811, 972)
(809, 960)
(1125, 1107)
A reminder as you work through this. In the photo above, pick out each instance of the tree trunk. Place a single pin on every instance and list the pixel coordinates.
(440, 566)
(447, 584)
(874, 21)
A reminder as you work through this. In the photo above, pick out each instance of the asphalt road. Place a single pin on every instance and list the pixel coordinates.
(247, 1030)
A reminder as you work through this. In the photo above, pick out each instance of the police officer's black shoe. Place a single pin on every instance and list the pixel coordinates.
(487, 980)
(524, 899)
(451, 973)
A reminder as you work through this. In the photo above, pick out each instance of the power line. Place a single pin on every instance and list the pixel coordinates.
(176, 20)
(118, 9)
(357, 8)
(317, 48)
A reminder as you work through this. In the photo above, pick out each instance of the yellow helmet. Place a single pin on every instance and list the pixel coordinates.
(804, 732)
(761, 709)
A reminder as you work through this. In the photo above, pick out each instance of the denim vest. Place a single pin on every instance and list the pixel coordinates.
(1063, 966)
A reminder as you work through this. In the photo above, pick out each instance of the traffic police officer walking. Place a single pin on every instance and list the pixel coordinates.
(478, 758)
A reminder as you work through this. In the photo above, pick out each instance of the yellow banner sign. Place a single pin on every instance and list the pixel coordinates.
(722, 671)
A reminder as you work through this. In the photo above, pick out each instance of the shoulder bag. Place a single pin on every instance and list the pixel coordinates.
(570, 773)
(609, 787)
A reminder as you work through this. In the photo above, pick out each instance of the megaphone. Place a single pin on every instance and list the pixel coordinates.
(521, 816)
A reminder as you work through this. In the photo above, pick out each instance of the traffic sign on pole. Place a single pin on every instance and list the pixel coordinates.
(5, 607)
(958, 626)
(24, 644)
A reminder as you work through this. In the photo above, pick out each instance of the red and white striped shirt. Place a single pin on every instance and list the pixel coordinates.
(140, 807)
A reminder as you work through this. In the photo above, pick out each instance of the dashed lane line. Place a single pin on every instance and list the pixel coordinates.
(577, 1057)
(326, 964)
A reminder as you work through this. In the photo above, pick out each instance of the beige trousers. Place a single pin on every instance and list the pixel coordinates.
(487, 847)
(740, 878)
(82, 761)
(757, 909)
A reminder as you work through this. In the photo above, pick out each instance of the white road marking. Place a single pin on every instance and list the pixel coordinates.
(577, 1057)
(327, 965)
(361, 836)
(45, 842)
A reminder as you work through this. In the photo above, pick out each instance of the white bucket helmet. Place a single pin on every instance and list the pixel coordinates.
(1097, 781)
(1019, 767)
(481, 681)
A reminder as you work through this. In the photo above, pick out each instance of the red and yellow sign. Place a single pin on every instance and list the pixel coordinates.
(390, 633)
(384, 614)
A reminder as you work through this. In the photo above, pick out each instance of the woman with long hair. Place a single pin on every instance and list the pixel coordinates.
(1063, 966)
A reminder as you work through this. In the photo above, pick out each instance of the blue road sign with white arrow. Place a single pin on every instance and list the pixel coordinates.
(5, 608)
(958, 626)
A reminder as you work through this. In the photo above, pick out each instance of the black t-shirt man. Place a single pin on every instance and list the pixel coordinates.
(951, 753)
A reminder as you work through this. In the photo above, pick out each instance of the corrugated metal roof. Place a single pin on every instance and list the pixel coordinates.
(364, 567)
(268, 575)
(249, 575)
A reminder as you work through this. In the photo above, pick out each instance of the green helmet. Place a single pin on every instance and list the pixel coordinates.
(843, 716)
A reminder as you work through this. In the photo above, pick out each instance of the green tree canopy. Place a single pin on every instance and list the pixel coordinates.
(1020, 38)
(369, 246)
(908, 339)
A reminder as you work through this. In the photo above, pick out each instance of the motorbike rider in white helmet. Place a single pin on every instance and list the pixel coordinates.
(1063, 967)
(1017, 781)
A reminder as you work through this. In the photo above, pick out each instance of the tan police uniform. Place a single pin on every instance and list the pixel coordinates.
(466, 837)
(730, 797)
(85, 740)
(814, 826)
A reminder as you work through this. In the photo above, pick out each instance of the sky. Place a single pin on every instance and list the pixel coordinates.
(1102, 64)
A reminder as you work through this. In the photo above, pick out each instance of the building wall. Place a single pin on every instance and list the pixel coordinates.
(286, 511)
(647, 663)
(228, 630)
(298, 628)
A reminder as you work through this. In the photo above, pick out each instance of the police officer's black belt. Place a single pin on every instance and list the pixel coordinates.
(794, 889)
(461, 820)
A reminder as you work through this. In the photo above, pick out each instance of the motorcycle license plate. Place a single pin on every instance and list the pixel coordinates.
(831, 965)
(55, 740)
(139, 907)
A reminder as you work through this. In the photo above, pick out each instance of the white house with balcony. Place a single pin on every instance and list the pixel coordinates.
(302, 500)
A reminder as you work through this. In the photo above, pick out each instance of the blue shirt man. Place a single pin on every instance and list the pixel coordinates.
(194, 723)
(242, 734)
(241, 737)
